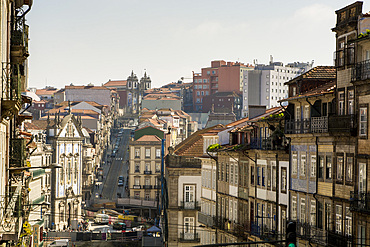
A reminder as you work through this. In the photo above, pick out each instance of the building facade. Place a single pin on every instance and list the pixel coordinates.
(67, 139)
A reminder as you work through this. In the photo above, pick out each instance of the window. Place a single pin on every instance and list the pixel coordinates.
(294, 208)
(69, 171)
(341, 103)
(258, 176)
(157, 167)
(188, 224)
(340, 164)
(198, 93)
(321, 166)
(137, 167)
(137, 180)
(313, 165)
(263, 176)
(363, 121)
(252, 175)
(294, 89)
(351, 102)
(232, 173)
(147, 153)
(320, 214)
(338, 219)
(283, 179)
(328, 167)
(76, 170)
(147, 167)
(158, 153)
(137, 195)
(273, 178)
(303, 165)
(302, 217)
(294, 163)
(189, 193)
(328, 217)
(349, 169)
(313, 213)
(137, 153)
(348, 222)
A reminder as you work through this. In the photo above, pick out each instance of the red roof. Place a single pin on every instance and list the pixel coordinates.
(115, 83)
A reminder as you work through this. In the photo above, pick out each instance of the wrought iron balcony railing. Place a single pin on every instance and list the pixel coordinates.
(18, 152)
(338, 240)
(307, 125)
(189, 236)
(361, 71)
(147, 186)
(312, 233)
(137, 187)
(268, 143)
(360, 201)
(147, 172)
(342, 123)
(190, 205)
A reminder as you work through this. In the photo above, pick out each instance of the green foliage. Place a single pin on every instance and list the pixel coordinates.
(213, 147)
(364, 34)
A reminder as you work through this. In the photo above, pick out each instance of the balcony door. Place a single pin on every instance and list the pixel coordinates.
(189, 228)
(189, 196)
(362, 184)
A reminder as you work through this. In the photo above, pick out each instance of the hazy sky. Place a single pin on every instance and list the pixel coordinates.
(81, 42)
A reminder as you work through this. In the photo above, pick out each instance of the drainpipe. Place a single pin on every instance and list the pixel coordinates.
(277, 194)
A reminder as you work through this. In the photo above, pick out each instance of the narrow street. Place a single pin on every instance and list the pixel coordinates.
(115, 165)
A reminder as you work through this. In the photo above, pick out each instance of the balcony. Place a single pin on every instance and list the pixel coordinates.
(136, 187)
(338, 240)
(190, 205)
(307, 125)
(207, 220)
(268, 143)
(147, 187)
(19, 42)
(361, 71)
(343, 123)
(312, 233)
(189, 237)
(17, 152)
(344, 57)
(147, 172)
(360, 202)
(11, 85)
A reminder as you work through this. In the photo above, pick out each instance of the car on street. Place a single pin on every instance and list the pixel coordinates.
(119, 225)
(120, 181)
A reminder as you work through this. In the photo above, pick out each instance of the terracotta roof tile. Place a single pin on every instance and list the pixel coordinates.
(318, 72)
(149, 138)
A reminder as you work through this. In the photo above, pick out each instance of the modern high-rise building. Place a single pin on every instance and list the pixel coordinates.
(265, 84)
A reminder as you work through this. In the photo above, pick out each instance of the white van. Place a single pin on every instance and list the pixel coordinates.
(60, 242)
(101, 219)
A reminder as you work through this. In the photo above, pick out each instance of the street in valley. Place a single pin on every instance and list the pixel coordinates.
(115, 165)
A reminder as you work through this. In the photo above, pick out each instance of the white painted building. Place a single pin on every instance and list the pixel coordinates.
(67, 139)
(265, 84)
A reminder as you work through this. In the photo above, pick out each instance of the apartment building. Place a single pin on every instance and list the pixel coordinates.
(352, 96)
(265, 84)
(184, 189)
(321, 155)
(145, 163)
(220, 77)
(14, 151)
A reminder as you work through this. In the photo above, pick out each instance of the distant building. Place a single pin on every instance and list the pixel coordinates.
(223, 102)
(265, 84)
(220, 77)
(153, 102)
(145, 164)
(135, 92)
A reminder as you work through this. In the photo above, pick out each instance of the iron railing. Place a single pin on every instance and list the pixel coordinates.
(342, 123)
(361, 71)
(268, 143)
(190, 205)
(17, 152)
(311, 233)
(147, 172)
(189, 236)
(360, 201)
(147, 186)
(307, 125)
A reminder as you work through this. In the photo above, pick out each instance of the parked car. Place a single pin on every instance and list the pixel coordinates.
(60, 242)
(119, 225)
(120, 181)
